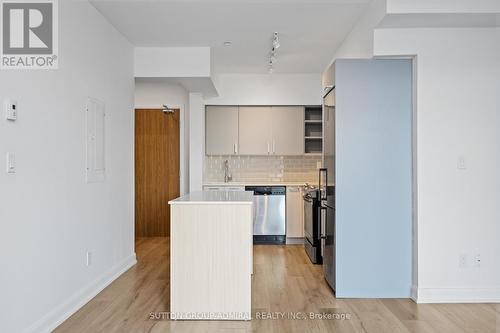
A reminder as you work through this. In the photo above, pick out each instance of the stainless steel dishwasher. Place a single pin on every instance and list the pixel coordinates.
(269, 214)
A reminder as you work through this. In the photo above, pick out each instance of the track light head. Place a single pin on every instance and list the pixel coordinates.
(272, 54)
(276, 41)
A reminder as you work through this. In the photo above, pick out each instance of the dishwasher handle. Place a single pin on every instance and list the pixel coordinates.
(266, 190)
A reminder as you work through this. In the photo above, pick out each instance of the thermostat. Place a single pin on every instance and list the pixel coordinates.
(11, 110)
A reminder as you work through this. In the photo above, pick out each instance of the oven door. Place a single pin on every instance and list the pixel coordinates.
(308, 218)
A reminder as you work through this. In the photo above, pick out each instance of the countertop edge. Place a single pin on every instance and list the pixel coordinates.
(172, 202)
(256, 184)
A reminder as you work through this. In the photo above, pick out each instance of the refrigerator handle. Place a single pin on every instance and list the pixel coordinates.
(323, 214)
(323, 188)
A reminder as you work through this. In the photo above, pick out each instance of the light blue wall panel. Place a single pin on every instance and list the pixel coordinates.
(373, 178)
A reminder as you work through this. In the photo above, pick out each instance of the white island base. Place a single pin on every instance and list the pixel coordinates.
(211, 246)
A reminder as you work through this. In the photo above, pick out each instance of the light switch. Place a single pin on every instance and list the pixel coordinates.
(461, 163)
(10, 110)
(11, 163)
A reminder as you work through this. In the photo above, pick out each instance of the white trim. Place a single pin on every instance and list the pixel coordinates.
(295, 241)
(457, 295)
(63, 311)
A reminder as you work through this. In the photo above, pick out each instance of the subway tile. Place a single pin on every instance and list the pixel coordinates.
(263, 168)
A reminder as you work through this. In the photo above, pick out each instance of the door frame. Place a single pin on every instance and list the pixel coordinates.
(183, 140)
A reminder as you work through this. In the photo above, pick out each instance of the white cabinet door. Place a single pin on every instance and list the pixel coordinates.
(294, 212)
(255, 130)
(288, 130)
(221, 130)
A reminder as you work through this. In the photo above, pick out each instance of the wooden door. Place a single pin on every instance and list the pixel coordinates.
(221, 130)
(255, 130)
(156, 170)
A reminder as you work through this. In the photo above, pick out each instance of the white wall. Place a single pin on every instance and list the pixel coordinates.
(443, 6)
(458, 116)
(456, 112)
(172, 62)
(359, 42)
(49, 216)
(265, 89)
(152, 94)
(196, 141)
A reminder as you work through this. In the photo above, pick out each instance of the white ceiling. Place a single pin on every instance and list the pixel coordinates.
(310, 30)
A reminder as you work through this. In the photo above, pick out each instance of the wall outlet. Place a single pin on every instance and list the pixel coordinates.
(462, 261)
(477, 260)
(461, 163)
(89, 258)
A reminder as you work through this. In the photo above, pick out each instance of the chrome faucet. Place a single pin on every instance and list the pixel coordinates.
(227, 175)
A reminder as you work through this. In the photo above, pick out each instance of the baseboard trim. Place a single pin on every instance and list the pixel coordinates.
(294, 240)
(62, 312)
(456, 295)
(414, 293)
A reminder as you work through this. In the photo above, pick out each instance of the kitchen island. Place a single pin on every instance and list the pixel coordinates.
(211, 255)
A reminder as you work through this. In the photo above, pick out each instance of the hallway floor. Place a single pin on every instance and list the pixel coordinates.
(285, 283)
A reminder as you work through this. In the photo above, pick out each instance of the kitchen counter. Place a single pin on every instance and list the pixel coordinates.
(211, 256)
(215, 197)
(257, 183)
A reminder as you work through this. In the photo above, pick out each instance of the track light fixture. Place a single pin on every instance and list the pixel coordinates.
(272, 55)
(276, 41)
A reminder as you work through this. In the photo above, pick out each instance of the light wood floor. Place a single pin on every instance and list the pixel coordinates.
(284, 281)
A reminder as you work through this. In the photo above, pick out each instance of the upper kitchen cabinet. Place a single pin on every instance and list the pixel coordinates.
(328, 79)
(287, 129)
(255, 130)
(222, 130)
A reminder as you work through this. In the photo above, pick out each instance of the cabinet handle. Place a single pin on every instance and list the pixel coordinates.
(268, 148)
(274, 147)
(235, 148)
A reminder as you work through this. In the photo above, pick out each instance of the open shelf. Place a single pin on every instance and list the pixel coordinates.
(314, 146)
(313, 130)
(313, 113)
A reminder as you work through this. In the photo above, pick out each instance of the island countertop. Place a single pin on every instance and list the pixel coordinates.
(214, 197)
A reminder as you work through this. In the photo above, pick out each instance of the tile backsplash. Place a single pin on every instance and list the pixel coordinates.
(263, 168)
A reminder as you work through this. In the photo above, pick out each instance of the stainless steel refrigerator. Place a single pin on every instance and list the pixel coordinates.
(327, 186)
